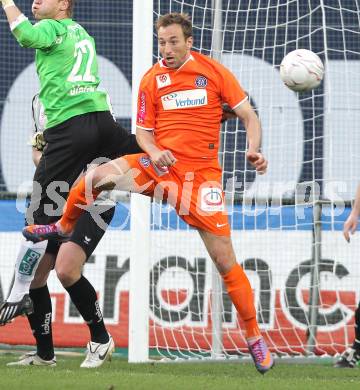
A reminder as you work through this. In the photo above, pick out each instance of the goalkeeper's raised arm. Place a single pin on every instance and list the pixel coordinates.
(42, 35)
(11, 10)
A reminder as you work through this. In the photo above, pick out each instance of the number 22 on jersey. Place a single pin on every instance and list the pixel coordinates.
(84, 54)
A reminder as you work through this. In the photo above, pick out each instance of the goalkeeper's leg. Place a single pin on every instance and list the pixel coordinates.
(40, 320)
(19, 302)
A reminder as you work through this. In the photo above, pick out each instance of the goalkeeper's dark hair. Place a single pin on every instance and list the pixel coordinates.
(70, 9)
(176, 18)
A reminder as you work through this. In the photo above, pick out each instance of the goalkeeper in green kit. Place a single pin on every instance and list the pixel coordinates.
(78, 129)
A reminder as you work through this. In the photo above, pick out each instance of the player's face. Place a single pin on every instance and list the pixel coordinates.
(48, 9)
(173, 46)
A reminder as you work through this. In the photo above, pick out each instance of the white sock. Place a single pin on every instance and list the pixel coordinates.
(27, 261)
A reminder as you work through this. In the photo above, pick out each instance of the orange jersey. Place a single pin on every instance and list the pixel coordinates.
(183, 106)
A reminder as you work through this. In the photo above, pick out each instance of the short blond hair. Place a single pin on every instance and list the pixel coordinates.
(176, 18)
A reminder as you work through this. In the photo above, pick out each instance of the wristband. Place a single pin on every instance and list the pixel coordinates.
(7, 3)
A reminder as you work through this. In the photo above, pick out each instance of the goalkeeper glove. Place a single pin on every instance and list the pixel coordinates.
(7, 3)
(37, 141)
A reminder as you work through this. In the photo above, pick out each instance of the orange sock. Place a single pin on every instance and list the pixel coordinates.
(239, 290)
(77, 196)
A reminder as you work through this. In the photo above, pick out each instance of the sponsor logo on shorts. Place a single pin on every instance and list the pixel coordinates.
(212, 199)
(184, 99)
(145, 161)
(201, 81)
(142, 107)
(163, 80)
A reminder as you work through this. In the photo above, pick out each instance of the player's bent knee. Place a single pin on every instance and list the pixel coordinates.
(220, 250)
(224, 258)
(69, 263)
(68, 273)
(111, 175)
(116, 168)
(68, 277)
(224, 263)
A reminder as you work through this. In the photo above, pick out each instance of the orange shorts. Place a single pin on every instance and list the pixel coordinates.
(195, 192)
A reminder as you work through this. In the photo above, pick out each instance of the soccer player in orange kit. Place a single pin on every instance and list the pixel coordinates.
(178, 126)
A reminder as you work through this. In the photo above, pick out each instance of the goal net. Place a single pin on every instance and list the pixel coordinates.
(286, 225)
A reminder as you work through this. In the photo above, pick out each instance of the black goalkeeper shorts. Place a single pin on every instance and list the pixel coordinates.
(71, 146)
(88, 232)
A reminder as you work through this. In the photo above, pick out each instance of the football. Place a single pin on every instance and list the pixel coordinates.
(301, 70)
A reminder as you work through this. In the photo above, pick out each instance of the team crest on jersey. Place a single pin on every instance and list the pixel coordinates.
(145, 161)
(212, 199)
(163, 80)
(201, 81)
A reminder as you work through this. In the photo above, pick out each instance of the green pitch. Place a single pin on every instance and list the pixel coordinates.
(119, 375)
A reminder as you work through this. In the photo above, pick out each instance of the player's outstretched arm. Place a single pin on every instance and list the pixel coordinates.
(146, 141)
(11, 10)
(40, 37)
(351, 223)
(253, 130)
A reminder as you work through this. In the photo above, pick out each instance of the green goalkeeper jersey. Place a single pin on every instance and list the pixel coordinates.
(67, 67)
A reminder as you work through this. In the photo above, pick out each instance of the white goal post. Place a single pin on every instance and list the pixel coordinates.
(140, 205)
(286, 224)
